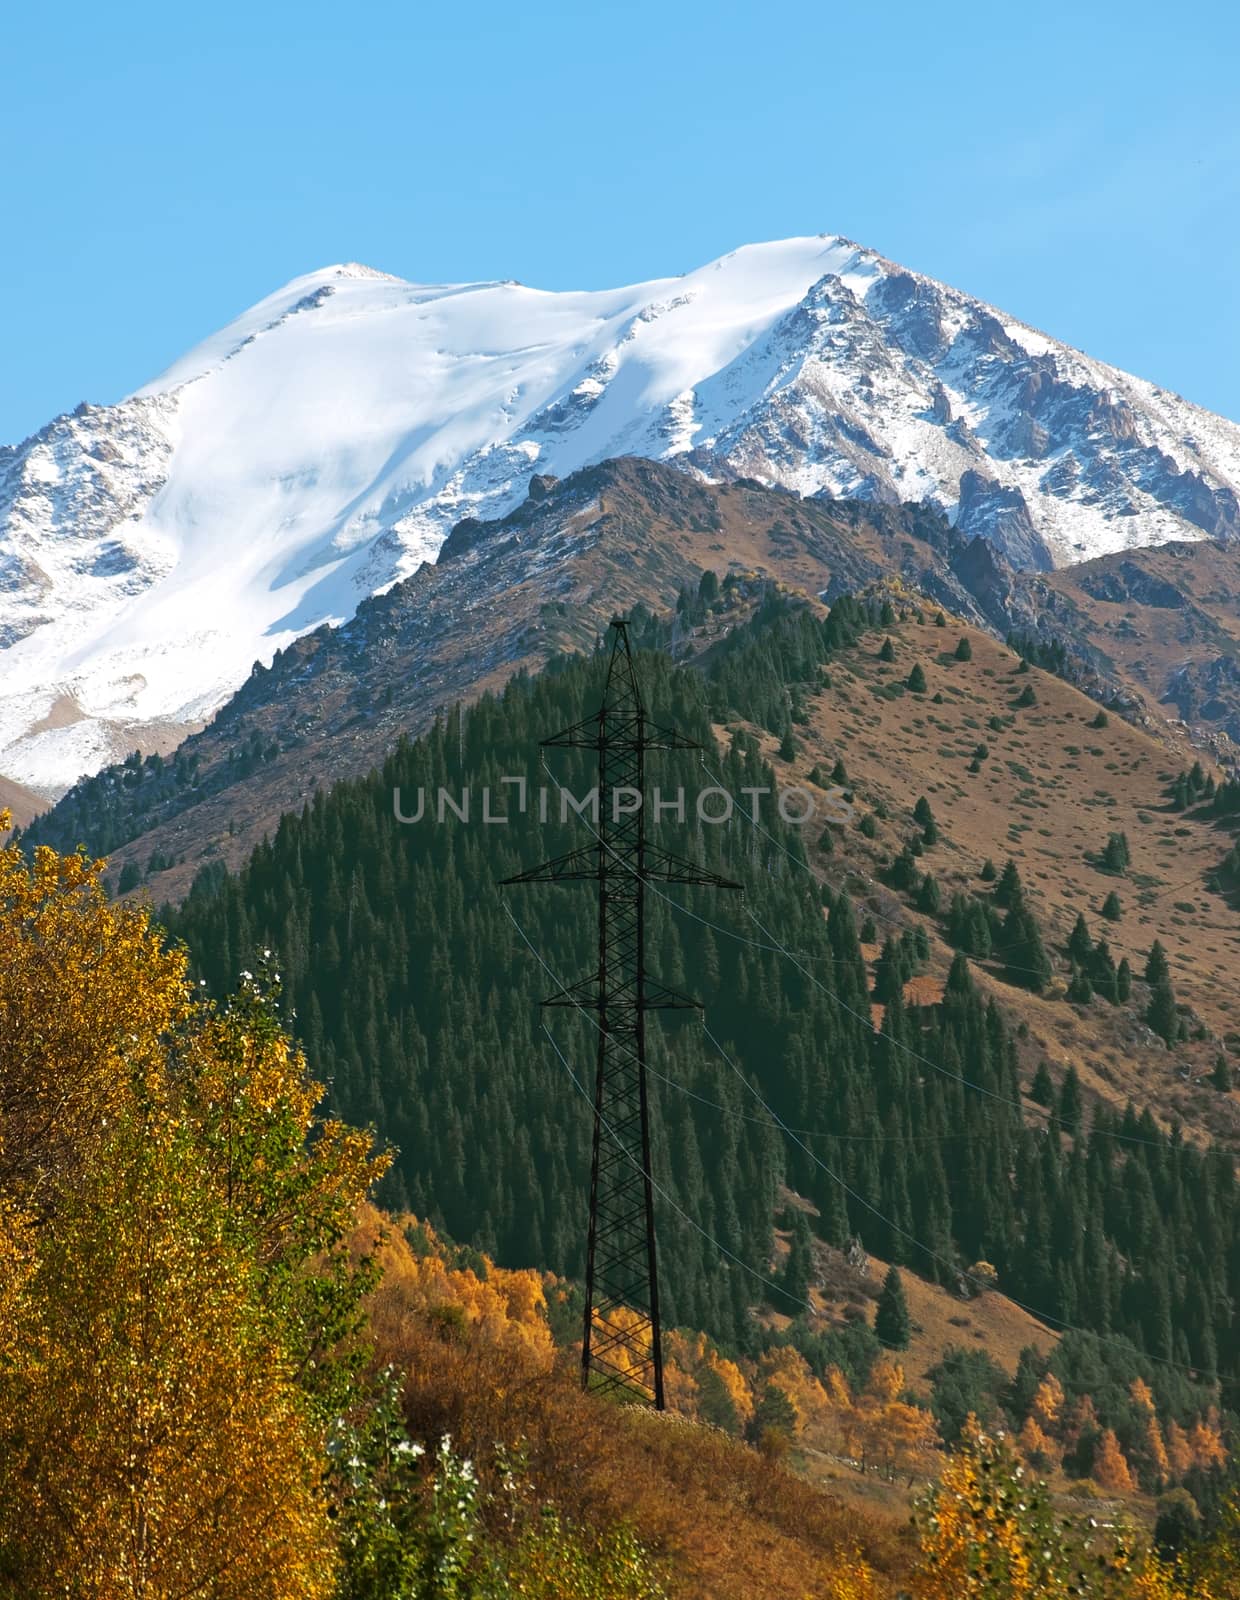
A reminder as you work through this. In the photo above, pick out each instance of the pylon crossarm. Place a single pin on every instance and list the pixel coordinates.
(668, 739)
(665, 867)
(569, 868)
(581, 735)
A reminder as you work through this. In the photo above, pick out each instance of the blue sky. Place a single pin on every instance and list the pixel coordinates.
(167, 166)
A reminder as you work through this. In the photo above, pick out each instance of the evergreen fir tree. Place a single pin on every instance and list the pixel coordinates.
(1071, 1107)
(798, 1270)
(964, 650)
(1161, 1013)
(888, 651)
(892, 1323)
(1008, 888)
(928, 896)
(1080, 945)
(1111, 908)
(1156, 967)
(917, 679)
(1025, 960)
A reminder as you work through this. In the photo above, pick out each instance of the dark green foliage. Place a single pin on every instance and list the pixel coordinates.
(964, 1382)
(1049, 654)
(891, 972)
(888, 651)
(1191, 787)
(1178, 1523)
(1123, 981)
(988, 873)
(1161, 1013)
(892, 1325)
(1115, 854)
(130, 878)
(1080, 945)
(940, 621)
(917, 679)
(789, 749)
(717, 1405)
(1221, 1075)
(928, 896)
(1043, 1089)
(1102, 973)
(798, 1269)
(1156, 968)
(1071, 1107)
(1112, 910)
(1026, 697)
(774, 1413)
(1024, 955)
(418, 1005)
(1008, 889)
(964, 650)
(1100, 721)
(970, 926)
(868, 826)
(904, 874)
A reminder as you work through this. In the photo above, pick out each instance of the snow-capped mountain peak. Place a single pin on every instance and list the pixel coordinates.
(320, 447)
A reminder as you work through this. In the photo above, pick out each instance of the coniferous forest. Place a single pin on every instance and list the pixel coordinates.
(418, 1001)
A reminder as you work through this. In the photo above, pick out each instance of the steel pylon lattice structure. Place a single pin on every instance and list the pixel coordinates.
(622, 1336)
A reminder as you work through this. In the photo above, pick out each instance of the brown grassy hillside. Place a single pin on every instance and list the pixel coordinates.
(1051, 788)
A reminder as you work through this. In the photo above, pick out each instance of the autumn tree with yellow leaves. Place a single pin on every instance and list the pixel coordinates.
(192, 1293)
(171, 1271)
(988, 1531)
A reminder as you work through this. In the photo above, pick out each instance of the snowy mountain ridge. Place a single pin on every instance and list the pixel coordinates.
(322, 445)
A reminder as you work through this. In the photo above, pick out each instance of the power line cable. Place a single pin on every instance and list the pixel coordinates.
(780, 949)
(1042, 1316)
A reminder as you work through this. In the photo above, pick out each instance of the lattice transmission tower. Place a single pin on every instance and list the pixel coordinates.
(622, 1338)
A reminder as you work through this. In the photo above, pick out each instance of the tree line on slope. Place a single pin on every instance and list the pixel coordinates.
(420, 1004)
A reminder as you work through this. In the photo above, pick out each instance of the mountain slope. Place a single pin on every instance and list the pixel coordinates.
(321, 446)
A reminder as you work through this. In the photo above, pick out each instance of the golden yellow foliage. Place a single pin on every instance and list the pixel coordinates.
(1048, 1402)
(161, 1447)
(169, 1210)
(506, 1309)
(88, 997)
